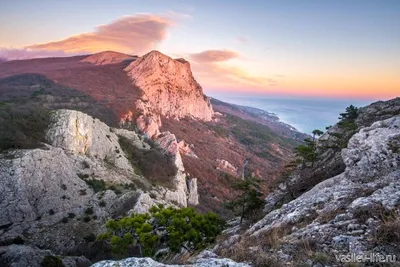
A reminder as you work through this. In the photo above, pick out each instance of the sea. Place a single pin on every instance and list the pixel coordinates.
(305, 114)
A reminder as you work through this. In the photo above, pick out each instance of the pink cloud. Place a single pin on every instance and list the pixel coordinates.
(209, 68)
(214, 56)
(26, 53)
(130, 34)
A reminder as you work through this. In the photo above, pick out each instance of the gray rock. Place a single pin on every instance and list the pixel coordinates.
(205, 259)
(23, 256)
(326, 214)
(193, 198)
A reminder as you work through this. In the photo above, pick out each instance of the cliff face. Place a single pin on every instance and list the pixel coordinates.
(355, 210)
(169, 87)
(45, 193)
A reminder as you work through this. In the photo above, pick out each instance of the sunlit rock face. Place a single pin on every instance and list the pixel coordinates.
(77, 132)
(40, 188)
(107, 57)
(168, 142)
(169, 86)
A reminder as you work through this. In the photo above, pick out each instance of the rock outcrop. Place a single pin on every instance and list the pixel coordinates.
(23, 256)
(205, 259)
(355, 211)
(193, 198)
(226, 166)
(48, 196)
(169, 87)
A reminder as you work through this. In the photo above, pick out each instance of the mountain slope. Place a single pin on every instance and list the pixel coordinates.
(350, 209)
(153, 94)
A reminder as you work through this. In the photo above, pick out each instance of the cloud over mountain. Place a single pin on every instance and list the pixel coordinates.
(129, 34)
(26, 53)
(212, 70)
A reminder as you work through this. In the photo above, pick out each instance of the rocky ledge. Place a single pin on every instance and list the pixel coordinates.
(356, 211)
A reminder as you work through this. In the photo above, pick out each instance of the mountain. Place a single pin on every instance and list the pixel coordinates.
(108, 57)
(169, 86)
(344, 203)
(88, 138)
(154, 94)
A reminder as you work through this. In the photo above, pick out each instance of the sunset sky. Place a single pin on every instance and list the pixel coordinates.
(288, 47)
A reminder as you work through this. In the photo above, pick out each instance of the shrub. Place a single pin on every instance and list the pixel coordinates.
(52, 261)
(64, 220)
(102, 203)
(22, 126)
(91, 237)
(82, 192)
(51, 212)
(86, 219)
(89, 211)
(389, 232)
(97, 185)
(155, 166)
(162, 228)
(250, 201)
(117, 191)
(71, 215)
(112, 187)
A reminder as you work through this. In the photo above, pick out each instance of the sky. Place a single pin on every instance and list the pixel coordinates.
(340, 49)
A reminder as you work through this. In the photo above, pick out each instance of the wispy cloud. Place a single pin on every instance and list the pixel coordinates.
(210, 68)
(214, 55)
(130, 34)
(26, 53)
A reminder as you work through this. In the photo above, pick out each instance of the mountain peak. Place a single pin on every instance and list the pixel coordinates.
(168, 84)
(107, 57)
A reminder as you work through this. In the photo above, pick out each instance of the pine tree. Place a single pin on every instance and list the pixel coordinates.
(250, 199)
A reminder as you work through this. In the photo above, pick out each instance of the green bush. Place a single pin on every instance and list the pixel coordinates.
(162, 228)
(97, 185)
(22, 126)
(89, 211)
(153, 163)
(52, 261)
(91, 237)
(250, 200)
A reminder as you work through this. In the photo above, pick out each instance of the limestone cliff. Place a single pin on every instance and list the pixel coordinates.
(169, 87)
(49, 196)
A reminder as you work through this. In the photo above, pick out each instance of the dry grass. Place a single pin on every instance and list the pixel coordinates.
(388, 232)
(373, 211)
(240, 252)
(330, 215)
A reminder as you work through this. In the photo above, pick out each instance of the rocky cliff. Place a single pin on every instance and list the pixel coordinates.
(56, 196)
(168, 89)
(355, 210)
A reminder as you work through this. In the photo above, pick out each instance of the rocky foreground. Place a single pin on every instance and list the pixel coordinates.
(50, 196)
(356, 211)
